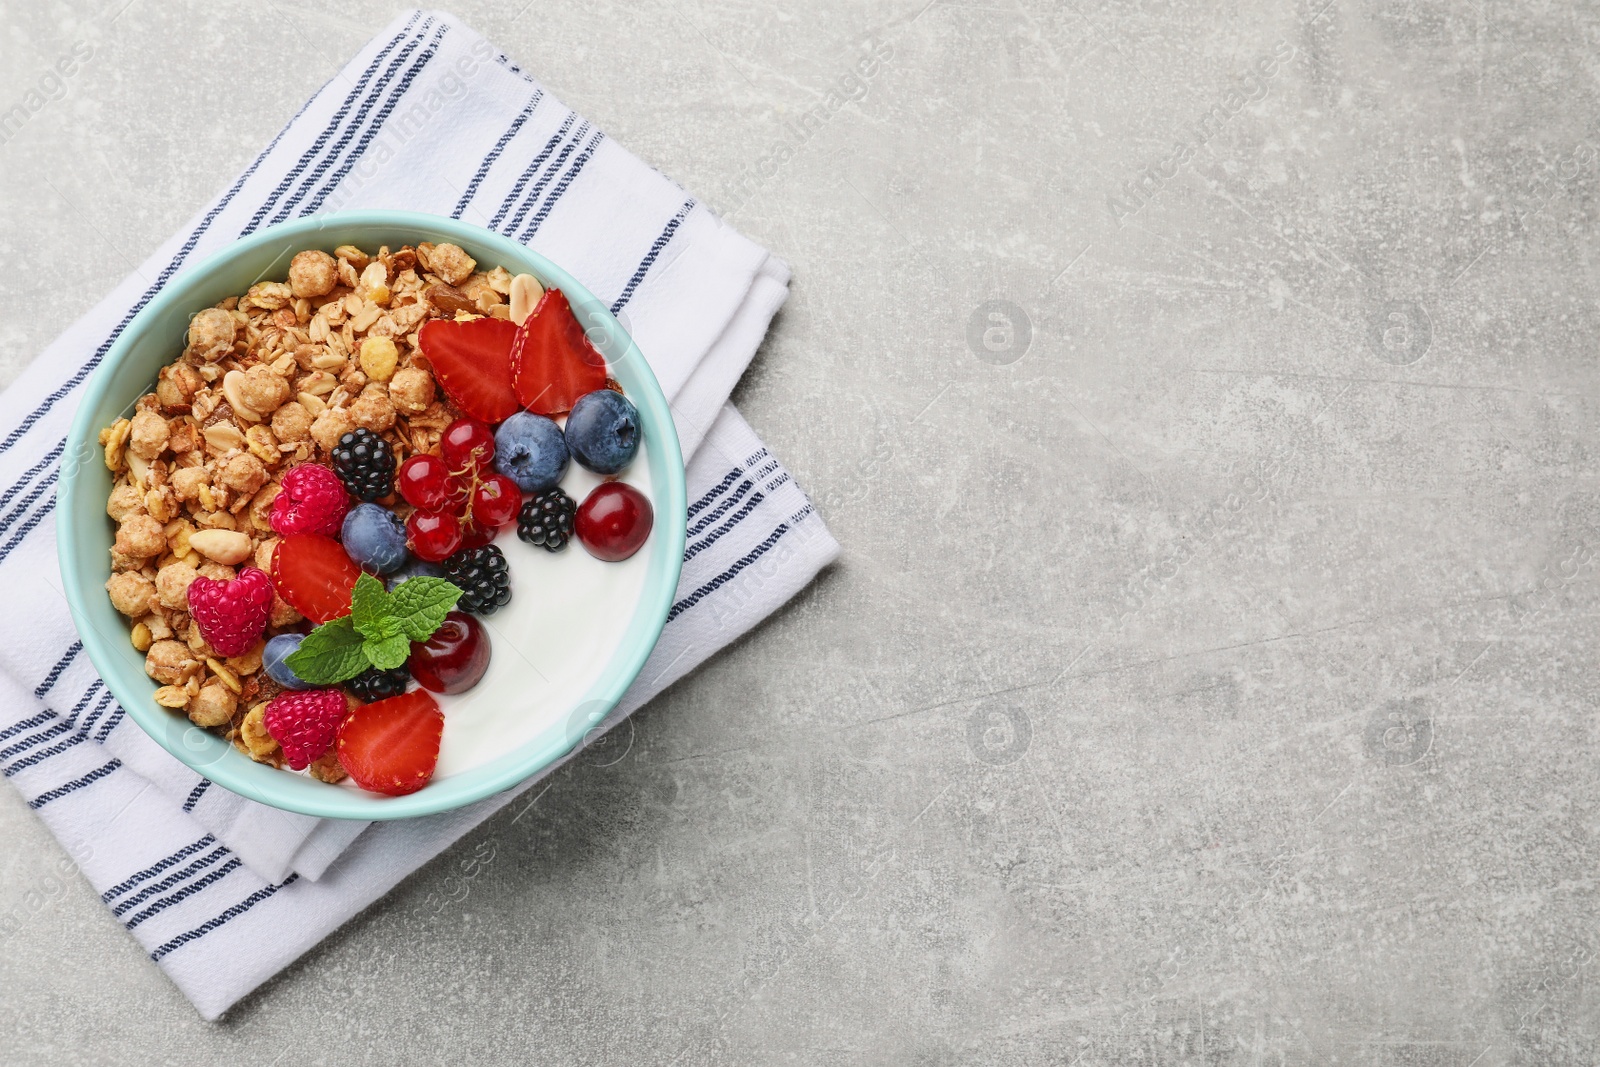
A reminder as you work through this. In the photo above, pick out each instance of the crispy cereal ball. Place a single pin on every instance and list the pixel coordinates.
(217, 572)
(244, 473)
(313, 273)
(291, 422)
(213, 705)
(166, 660)
(148, 436)
(132, 593)
(172, 585)
(125, 500)
(186, 482)
(330, 426)
(140, 536)
(262, 390)
(211, 334)
(412, 390)
(378, 358)
(450, 262)
(372, 409)
(177, 386)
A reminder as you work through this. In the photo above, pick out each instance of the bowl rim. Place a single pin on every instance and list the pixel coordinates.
(238, 773)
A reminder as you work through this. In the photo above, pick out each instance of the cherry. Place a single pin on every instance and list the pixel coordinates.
(433, 535)
(454, 658)
(614, 521)
(467, 445)
(424, 481)
(496, 502)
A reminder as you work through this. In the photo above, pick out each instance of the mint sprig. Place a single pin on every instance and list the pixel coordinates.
(378, 631)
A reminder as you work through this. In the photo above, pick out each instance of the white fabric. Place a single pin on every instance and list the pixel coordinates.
(223, 892)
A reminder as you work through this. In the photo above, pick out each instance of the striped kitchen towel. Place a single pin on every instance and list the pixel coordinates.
(222, 892)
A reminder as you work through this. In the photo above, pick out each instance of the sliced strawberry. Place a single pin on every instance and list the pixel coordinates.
(472, 360)
(314, 575)
(392, 746)
(553, 363)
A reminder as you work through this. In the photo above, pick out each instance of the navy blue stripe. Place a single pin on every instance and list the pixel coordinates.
(195, 794)
(55, 672)
(99, 710)
(59, 728)
(376, 128)
(494, 153)
(150, 872)
(28, 501)
(546, 178)
(232, 913)
(27, 724)
(125, 906)
(28, 475)
(111, 723)
(722, 509)
(56, 749)
(166, 274)
(186, 892)
(28, 527)
(532, 168)
(60, 791)
(561, 186)
(700, 546)
(321, 141)
(728, 575)
(711, 494)
(649, 259)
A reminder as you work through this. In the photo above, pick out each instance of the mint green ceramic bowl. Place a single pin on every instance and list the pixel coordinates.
(156, 336)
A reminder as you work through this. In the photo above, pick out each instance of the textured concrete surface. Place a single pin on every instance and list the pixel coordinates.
(1210, 674)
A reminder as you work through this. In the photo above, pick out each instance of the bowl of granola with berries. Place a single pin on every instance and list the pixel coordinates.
(359, 515)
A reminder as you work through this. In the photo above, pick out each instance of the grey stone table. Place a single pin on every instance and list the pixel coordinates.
(1206, 399)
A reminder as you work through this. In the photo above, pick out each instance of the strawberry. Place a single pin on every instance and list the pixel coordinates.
(313, 500)
(472, 361)
(314, 575)
(231, 614)
(553, 363)
(392, 746)
(304, 723)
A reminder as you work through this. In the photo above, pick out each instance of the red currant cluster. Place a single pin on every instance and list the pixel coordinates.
(461, 502)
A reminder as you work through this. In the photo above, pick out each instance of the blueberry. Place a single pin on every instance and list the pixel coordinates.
(374, 538)
(603, 431)
(413, 568)
(279, 649)
(531, 451)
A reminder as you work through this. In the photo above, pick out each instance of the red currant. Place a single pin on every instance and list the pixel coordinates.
(433, 535)
(454, 658)
(496, 502)
(424, 481)
(467, 445)
(475, 536)
(614, 521)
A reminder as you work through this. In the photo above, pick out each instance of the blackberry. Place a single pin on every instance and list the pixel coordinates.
(482, 576)
(365, 465)
(373, 684)
(546, 520)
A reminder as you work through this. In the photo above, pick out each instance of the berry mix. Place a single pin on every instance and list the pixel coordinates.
(307, 504)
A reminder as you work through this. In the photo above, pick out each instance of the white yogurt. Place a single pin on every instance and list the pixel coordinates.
(566, 619)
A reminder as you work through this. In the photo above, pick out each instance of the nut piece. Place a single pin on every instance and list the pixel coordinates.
(313, 273)
(172, 696)
(411, 390)
(132, 593)
(526, 292)
(228, 547)
(253, 732)
(448, 261)
(140, 536)
(379, 357)
(211, 334)
(173, 581)
(327, 768)
(213, 705)
(148, 436)
(167, 661)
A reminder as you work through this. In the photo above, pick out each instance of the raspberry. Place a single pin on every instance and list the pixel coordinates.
(482, 576)
(372, 684)
(546, 520)
(312, 500)
(363, 461)
(232, 614)
(305, 723)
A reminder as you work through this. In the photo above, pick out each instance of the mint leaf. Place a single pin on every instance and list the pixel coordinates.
(388, 653)
(370, 604)
(420, 605)
(329, 654)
